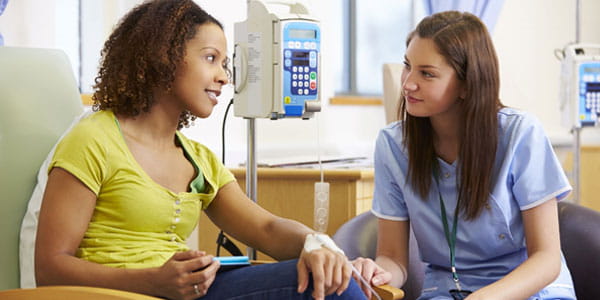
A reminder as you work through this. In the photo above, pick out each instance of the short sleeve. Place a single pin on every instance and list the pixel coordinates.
(537, 174)
(215, 173)
(83, 155)
(390, 168)
(223, 174)
(220, 175)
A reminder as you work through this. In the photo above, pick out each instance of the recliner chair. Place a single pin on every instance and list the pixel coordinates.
(580, 243)
(38, 101)
(579, 236)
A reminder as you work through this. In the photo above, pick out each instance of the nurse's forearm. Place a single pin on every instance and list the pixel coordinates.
(535, 273)
(398, 271)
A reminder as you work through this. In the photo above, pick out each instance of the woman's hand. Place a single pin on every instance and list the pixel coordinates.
(186, 275)
(371, 272)
(331, 272)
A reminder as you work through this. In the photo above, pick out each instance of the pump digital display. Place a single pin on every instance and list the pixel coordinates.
(591, 69)
(297, 62)
(593, 87)
(302, 34)
(300, 54)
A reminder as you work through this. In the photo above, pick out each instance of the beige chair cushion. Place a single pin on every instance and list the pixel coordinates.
(30, 220)
(38, 100)
(392, 84)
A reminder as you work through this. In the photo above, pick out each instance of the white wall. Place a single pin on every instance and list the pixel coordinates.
(525, 35)
(42, 24)
(345, 131)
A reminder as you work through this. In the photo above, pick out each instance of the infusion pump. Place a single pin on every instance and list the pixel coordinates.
(580, 85)
(277, 62)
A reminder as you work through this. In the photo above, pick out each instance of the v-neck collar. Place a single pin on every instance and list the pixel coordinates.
(147, 177)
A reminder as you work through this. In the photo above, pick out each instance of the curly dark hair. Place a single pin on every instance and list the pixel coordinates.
(143, 52)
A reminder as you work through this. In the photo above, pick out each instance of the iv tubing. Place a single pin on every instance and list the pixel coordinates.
(319, 147)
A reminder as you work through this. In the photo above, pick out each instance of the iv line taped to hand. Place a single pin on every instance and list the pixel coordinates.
(317, 241)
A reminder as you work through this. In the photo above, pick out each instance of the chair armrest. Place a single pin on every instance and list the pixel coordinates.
(260, 261)
(388, 292)
(71, 293)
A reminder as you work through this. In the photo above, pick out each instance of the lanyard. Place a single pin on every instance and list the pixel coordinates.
(451, 239)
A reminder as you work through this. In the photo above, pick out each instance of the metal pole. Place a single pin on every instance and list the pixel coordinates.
(351, 34)
(577, 22)
(251, 161)
(80, 46)
(251, 178)
(576, 163)
(577, 130)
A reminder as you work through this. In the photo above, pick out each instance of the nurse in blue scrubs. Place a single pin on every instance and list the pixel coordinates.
(478, 182)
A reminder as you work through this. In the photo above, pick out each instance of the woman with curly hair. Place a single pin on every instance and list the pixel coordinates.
(126, 188)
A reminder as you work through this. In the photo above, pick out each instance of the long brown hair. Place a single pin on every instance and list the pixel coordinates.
(142, 54)
(463, 40)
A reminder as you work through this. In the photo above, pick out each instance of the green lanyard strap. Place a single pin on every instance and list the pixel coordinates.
(451, 239)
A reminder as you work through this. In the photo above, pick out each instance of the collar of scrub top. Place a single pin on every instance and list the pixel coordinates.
(458, 293)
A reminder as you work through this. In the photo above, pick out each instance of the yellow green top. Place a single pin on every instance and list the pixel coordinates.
(136, 223)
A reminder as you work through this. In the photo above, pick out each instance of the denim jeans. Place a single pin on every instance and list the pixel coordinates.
(268, 281)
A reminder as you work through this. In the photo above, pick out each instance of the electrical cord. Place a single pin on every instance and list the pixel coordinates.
(223, 131)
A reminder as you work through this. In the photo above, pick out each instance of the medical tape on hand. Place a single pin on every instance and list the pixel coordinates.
(317, 241)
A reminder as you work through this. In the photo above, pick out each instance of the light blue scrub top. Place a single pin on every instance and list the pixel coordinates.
(526, 174)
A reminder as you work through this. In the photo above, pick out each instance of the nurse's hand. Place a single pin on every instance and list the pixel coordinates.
(330, 270)
(186, 275)
(371, 272)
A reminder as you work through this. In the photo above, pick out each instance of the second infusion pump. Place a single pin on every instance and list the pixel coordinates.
(277, 63)
(580, 85)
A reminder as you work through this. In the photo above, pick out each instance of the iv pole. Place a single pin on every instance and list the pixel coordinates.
(251, 178)
(577, 129)
(251, 164)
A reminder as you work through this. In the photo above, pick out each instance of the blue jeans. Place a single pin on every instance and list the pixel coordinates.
(268, 281)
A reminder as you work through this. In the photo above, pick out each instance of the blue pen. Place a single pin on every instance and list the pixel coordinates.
(232, 260)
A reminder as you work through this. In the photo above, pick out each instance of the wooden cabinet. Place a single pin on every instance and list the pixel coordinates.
(289, 193)
(589, 175)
